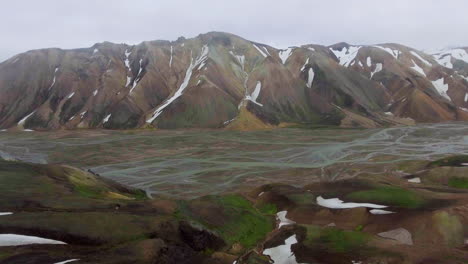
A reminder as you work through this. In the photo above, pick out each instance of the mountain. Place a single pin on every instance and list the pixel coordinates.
(219, 80)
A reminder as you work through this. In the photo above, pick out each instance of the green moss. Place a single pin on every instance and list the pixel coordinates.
(268, 209)
(246, 225)
(393, 196)
(335, 240)
(457, 182)
(454, 161)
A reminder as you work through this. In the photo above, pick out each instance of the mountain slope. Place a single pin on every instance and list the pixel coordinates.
(206, 81)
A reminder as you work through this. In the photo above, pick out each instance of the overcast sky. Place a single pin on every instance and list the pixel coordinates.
(423, 24)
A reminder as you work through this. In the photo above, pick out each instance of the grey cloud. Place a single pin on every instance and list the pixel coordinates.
(423, 24)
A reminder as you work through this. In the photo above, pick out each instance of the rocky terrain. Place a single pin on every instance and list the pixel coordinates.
(219, 80)
(420, 216)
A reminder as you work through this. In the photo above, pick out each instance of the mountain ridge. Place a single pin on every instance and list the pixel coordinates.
(203, 82)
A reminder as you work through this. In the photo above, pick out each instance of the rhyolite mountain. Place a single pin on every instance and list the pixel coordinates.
(219, 80)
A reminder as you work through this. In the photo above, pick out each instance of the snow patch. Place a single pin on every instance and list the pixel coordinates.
(444, 58)
(415, 180)
(346, 55)
(418, 69)
(239, 58)
(8, 240)
(281, 217)
(67, 261)
(285, 54)
(95, 51)
(335, 203)
(170, 60)
(380, 212)
(6, 213)
(441, 87)
(283, 254)
(369, 62)
(420, 58)
(466, 97)
(310, 77)
(188, 75)
(378, 68)
(22, 121)
(311, 49)
(394, 53)
(261, 51)
(71, 95)
(54, 79)
(106, 119)
(95, 92)
(253, 97)
(303, 66)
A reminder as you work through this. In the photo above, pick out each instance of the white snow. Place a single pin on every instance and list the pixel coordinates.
(310, 77)
(303, 66)
(21, 122)
(129, 80)
(67, 261)
(394, 53)
(415, 180)
(285, 54)
(464, 109)
(311, 49)
(8, 240)
(418, 69)
(335, 203)
(378, 68)
(5, 213)
(83, 113)
(71, 118)
(95, 51)
(445, 61)
(188, 75)
(138, 78)
(281, 216)
(369, 62)
(240, 59)
(420, 58)
(170, 60)
(261, 51)
(346, 55)
(53, 80)
(283, 254)
(28, 130)
(253, 97)
(466, 97)
(127, 64)
(441, 87)
(71, 95)
(380, 212)
(95, 92)
(444, 57)
(360, 64)
(388, 113)
(106, 119)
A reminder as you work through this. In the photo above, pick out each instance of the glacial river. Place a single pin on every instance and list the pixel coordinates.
(191, 163)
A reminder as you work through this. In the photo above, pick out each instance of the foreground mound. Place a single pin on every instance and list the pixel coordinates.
(77, 216)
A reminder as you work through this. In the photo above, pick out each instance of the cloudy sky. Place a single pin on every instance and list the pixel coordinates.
(423, 24)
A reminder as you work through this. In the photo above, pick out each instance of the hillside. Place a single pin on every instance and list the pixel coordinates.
(213, 79)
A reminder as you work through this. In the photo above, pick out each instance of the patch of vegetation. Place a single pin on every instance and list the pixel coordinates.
(458, 182)
(393, 196)
(246, 225)
(336, 240)
(268, 209)
(453, 161)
